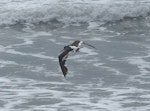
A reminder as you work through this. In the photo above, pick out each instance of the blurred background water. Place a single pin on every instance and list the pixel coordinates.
(116, 76)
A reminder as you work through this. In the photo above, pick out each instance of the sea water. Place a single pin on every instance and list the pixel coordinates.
(113, 77)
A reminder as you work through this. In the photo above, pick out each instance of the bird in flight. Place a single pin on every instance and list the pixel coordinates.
(75, 47)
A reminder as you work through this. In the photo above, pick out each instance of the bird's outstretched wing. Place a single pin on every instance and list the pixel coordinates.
(89, 45)
(62, 60)
(75, 46)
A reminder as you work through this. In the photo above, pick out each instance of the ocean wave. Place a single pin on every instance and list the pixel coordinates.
(68, 12)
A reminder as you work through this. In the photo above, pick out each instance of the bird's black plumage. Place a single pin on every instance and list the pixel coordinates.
(62, 59)
(75, 43)
(75, 46)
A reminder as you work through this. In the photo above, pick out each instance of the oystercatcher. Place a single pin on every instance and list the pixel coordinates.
(75, 46)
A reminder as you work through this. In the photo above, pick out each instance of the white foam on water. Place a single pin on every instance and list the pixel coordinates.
(38, 55)
(3, 63)
(4, 80)
(53, 92)
(140, 63)
(38, 69)
(68, 11)
(98, 64)
(27, 39)
(109, 69)
(96, 39)
(66, 37)
(2, 48)
(92, 25)
(89, 96)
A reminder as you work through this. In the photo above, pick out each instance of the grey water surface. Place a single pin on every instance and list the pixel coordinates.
(113, 77)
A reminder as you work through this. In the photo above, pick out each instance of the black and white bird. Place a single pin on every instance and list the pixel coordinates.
(75, 46)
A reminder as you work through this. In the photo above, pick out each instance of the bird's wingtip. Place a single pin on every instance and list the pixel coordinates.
(89, 45)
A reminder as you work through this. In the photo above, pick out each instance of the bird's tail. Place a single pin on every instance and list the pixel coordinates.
(89, 45)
